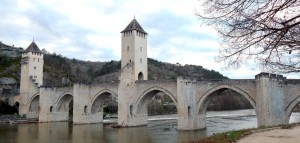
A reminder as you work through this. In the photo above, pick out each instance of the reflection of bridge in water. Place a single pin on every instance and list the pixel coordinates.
(272, 96)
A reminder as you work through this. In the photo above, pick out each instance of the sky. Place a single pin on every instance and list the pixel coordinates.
(90, 30)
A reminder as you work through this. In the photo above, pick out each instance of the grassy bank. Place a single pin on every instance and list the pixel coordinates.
(233, 136)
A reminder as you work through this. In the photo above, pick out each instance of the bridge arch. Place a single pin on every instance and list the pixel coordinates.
(62, 103)
(142, 99)
(290, 107)
(98, 100)
(34, 103)
(204, 100)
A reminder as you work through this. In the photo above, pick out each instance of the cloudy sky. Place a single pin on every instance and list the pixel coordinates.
(90, 30)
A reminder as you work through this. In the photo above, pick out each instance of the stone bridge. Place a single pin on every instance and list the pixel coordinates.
(273, 98)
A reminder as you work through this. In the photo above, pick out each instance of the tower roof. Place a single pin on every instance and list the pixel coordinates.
(134, 25)
(33, 48)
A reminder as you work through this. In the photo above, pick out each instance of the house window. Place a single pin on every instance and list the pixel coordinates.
(141, 49)
(127, 48)
(34, 68)
(140, 60)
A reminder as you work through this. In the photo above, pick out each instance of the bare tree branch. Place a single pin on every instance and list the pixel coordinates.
(267, 31)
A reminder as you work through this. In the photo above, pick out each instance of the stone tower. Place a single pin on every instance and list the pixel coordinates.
(31, 76)
(134, 53)
(133, 68)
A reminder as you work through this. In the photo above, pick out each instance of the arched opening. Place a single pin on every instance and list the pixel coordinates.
(157, 104)
(227, 108)
(141, 76)
(107, 104)
(294, 116)
(65, 105)
(34, 104)
(293, 111)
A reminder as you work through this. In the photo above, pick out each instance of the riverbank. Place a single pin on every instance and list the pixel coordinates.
(278, 134)
(15, 119)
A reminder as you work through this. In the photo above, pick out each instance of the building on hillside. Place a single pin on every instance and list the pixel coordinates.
(10, 51)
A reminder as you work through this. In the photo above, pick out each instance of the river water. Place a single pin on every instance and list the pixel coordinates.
(160, 129)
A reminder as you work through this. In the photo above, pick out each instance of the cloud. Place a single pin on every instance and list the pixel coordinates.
(90, 30)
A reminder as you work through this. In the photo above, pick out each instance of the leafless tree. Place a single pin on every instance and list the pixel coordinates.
(266, 31)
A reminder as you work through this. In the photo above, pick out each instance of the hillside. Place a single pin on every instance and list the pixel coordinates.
(62, 71)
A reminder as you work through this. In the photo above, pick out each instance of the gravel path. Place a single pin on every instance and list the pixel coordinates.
(274, 136)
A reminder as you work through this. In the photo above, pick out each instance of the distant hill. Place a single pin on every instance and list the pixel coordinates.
(59, 70)
(62, 71)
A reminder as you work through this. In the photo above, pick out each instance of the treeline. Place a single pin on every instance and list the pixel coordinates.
(227, 100)
(10, 67)
(161, 104)
(61, 71)
(5, 108)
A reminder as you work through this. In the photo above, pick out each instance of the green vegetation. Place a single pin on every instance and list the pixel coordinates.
(7, 61)
(61, 71)
(110, 110)
(7, 109)
(233, 136)
(228, 100)
(109, 67)
(226, 137)
(10, 67)
(161, 104)
(162, 70)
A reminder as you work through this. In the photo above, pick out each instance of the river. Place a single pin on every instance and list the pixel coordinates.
(160, 129)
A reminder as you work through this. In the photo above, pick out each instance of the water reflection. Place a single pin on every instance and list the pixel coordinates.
(157, 131)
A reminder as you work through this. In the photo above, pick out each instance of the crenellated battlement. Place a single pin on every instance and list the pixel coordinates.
(270, 76)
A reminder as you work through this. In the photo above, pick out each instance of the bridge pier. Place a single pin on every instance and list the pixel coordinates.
(54, 104)
(82, 113)
(128, 115)
(47, 112)
(270, 102)
(188, 116)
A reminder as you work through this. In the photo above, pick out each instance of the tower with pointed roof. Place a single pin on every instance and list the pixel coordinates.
(31, 75)
(134, 53)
